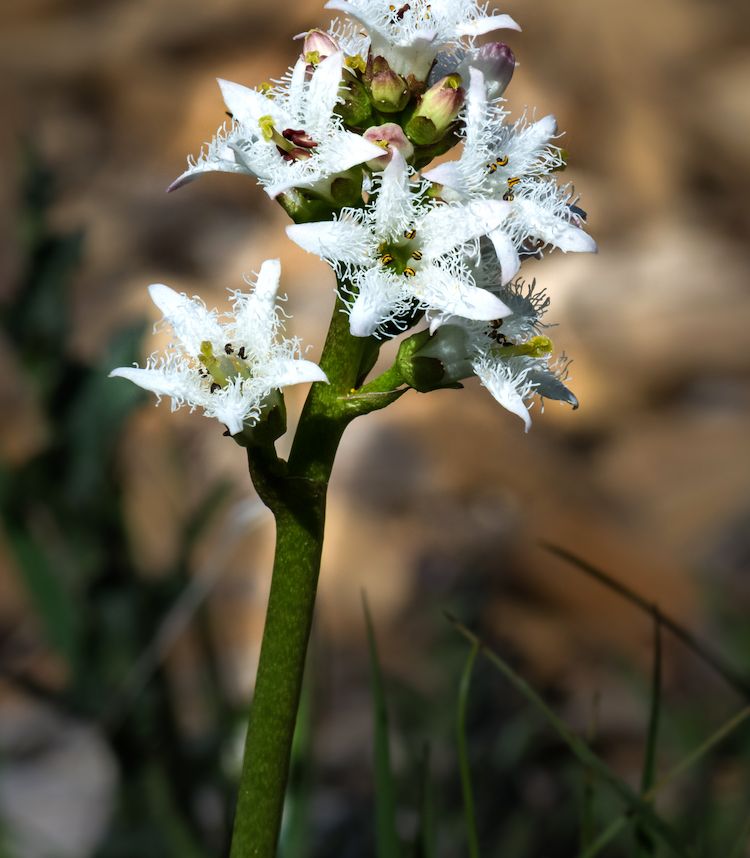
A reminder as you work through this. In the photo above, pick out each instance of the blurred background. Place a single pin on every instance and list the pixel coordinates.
(135, 558)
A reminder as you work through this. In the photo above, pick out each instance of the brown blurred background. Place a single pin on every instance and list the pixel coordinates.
(444, 494)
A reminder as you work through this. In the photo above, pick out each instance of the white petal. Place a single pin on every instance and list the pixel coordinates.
(448, 174)
(255, 320)
(286, 372)
(543, 131)
(573, 239)
(248, 105)
(507, 255)
(355, 150)
(342, 240)
(222, 161)
(394, 202)
(155, 380)
(452, 296)
(189, 318)
(370, 21)
(269, 278)
(297, 92)
(501, 385)
(446, 227)
(323, 93)
(487, 24)
(381, 296)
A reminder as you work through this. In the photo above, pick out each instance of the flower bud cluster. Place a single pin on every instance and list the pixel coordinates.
(345, 143)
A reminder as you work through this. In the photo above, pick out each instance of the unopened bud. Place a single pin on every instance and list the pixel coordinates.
(355, 107)
(438, 108)
(497, 62)
(317, 46)
(391, 138)
(451, 346)
(390, 94)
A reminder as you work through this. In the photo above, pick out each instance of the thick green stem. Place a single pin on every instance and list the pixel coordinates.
(296, 493)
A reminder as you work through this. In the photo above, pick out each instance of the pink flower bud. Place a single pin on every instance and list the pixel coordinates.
(317, 46)
(497, 62)
(391, 137)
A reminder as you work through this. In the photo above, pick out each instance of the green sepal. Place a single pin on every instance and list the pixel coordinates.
(270, 427)
(422, 131)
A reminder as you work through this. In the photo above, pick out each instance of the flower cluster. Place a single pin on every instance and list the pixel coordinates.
(345, 143)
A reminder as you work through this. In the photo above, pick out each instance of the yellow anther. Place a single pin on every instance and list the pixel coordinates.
(417, 254)
(513, 181)
(502, 161)
(508, 197)
(386, 259)
(409, 272)
(410, 234)
(492, 168)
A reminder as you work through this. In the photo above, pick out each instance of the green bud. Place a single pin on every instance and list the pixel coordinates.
(346, 190)
(450, 345)
(389, 91)
(424, 367)
(356, 108)
(436, 111)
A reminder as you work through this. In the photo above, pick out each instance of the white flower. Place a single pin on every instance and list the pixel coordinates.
(513, 162)
(225, 365)
(402, 252)
(511, 356)
(409, 35)
(288, 136)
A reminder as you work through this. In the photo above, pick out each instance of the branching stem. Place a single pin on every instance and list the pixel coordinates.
(296, 494)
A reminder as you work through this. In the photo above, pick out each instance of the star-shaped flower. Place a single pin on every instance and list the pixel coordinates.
(410, 34)
(403, 252)
(511, 357)
(227, 366)
(513, 163)
(287, 136)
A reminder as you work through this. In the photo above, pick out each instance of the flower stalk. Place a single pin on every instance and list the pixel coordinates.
(296, 494)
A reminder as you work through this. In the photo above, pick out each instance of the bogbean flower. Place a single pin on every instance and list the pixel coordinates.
(513, 163)
(512, 357)
(227, 366)
(289, 135)
(403, 252)
(409, 35)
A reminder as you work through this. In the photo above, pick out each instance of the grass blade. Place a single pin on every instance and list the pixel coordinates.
(738, 850)
(426, 842)
(580, 749)
(740, 683)
(463, 753)
(589, 779)
(714, 739)
(645, 845)
(385, 789)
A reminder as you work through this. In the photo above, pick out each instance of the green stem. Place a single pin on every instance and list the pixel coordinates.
(296, 494)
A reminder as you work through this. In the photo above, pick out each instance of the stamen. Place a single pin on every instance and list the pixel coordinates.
(409, 272)
(386, 258)
(417, 254)
(228, 349)
(215, 387)
(242, 353)
(410, 234)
